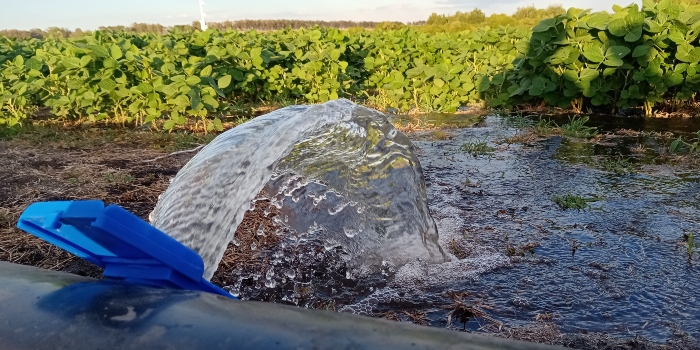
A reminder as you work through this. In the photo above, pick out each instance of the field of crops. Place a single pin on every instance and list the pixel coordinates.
(633, 57)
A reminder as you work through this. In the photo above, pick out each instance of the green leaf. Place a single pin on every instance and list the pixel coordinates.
(614, 55)
(688, 53)
(571, 75)
(218, 126)
(33, 63)
(673, 78)
(99, 51)
(192, 80)
(169, 125)
(598, 20)
(545, 25)
(210, 101)
(108, 84)
(629, 27)
(85, 60)
(135, 107)
(641, 50)
(71, 62)
(145, 88)
(540, 86)
(110, 63)
(594, 54)
(652, 26)
(116, 52)
(224, 81)
(588, 74)
(206, 71)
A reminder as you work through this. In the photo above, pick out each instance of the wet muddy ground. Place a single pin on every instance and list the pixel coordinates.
(618, 267)
(615, 274)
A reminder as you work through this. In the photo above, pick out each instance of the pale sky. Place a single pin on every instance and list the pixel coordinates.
(90, 14)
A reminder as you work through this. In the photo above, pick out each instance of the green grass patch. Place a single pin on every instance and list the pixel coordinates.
(545, 127)
(570, 201)
(576, 128)
(477, 148)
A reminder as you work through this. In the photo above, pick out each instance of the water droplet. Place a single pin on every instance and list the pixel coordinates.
(290, 273)
(253, 246)
(235, 241)
(261, 231)
(270, 283)
(350, 232)
(270, 274)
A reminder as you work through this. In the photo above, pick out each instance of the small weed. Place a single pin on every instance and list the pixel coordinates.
(118, 178)
(570, 201)
(477, 148)
(577, 128)
(545, 127)
(418, 317)
(528, 248)
(457, 249)
(392, 316)
(463, 311)
(518, 121)
(617, 166)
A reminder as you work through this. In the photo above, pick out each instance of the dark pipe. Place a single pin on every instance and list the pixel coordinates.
(41, 309)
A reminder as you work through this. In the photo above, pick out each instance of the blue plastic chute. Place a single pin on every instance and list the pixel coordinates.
(124, 245)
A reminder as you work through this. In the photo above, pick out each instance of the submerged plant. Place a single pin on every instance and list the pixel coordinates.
(519, 121)
(691, 245)
(617, 166)
(679, 145)
(570, 201)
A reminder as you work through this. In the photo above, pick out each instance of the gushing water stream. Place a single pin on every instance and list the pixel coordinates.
(341, 174)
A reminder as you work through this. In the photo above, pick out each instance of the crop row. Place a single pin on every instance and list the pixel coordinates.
(630, 58)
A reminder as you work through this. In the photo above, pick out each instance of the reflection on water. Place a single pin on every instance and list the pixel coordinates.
(619, 266)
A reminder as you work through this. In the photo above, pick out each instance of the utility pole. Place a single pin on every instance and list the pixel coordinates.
(202, 22)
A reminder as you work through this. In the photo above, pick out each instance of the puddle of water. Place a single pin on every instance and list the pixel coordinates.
(618, 266)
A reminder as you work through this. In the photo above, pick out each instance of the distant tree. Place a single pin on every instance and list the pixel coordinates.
(436, 19)
(58, 33)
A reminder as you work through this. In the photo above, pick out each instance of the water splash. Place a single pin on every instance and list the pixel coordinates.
(339, 174)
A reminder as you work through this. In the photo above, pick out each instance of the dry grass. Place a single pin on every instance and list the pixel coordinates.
(526, 136)
(54, 169)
